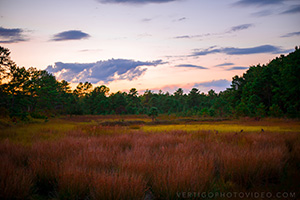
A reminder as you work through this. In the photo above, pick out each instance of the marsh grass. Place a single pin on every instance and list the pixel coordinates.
(222, 127)
(91, 161)
(29, 133)
(16, 180)
(118, 186)
(96, 130)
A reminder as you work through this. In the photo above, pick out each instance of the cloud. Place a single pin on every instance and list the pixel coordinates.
(11, 35)
(231, 30)
(106, 71)
(240, 27)
(147, 20)
(180, 19)
(70, 35)
(237, 68)
(206, 52)
(89, 50)
(262, 13)
(183, 37)
(143, 35)
(217, 85)
(192, 36)
(292, 10)
(241, 51)
(191, 66)
(291, 34)
(135, 1)
(258, 2)
(224, 64)
(214, 83)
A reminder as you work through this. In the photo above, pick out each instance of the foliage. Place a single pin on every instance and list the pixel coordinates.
(263, 90)
(153, 113)
(273, 88)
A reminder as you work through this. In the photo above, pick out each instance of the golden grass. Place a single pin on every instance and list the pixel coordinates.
(30, 133)
(224, 127)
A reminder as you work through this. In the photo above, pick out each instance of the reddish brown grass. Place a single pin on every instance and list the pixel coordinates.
(118, 186)
(16, 181)
(125, 164)
(250, 167)
(73, 182)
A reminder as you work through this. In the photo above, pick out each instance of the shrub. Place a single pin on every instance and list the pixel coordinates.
(153, 113)
(275, 111)
(37, 115)
(242, 110)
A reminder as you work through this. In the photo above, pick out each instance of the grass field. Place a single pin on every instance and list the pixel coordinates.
(129, 157)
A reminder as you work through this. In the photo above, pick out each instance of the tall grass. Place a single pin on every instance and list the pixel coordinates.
(118, 186)
(73, 182)
(97, 162)
(16, 180)
(251, 167)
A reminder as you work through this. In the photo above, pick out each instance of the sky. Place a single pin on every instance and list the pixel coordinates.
(148, 44)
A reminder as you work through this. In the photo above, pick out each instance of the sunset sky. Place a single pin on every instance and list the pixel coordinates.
(149, 44)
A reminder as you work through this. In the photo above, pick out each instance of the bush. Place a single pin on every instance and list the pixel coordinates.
(261, 110)
(37, 115)
(242, 110)
(275, 111)
(153, 113)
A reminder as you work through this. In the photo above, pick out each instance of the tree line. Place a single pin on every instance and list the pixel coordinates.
(263, 90)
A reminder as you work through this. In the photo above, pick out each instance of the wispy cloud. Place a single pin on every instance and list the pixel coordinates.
(183, 37)
(263, 13)
(270, 5)
(258, 2)
(191, 66)
(90, 50)
(147, 20)
(291, 34)
(70, 35)
(143, 35)
(180, 19)
(192, 36)
(106, 71)
(240, 27)
(13, 35)
(241, 51)
(135, 1)
(237, 68)
(217, 85)
(292, 10)
(224, 64)
(231, 30)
